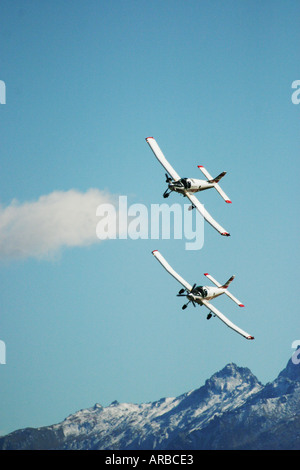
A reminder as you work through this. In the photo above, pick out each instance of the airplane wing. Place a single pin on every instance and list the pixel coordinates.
(205, 172)
(170, 270)
(206, 215)
(215, 182)
(226, 320)
(161, 158)
(226, 291)
(212, 279)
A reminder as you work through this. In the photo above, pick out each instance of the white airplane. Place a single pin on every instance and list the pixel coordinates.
(188, 186)
(202, 294)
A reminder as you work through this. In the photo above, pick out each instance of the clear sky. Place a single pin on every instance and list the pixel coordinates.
(86, 321)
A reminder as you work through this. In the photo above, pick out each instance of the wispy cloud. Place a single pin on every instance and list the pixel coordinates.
(41, 228)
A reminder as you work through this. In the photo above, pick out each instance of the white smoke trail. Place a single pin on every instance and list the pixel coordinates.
(41, 228)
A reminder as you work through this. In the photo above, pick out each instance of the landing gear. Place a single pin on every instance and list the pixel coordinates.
(166, 194)
(210, 315)
(185, 305)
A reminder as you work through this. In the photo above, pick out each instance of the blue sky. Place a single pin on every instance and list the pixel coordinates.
(86, 82)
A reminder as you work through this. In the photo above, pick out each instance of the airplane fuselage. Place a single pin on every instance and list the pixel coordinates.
(190, 185)
(205, 292)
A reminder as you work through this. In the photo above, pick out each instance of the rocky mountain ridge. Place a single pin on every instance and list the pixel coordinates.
(232, 410)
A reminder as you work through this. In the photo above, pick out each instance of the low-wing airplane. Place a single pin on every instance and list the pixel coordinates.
(188, 186)
(203, 294)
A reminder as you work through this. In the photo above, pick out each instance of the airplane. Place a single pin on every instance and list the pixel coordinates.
(202, 295)
(188, 186)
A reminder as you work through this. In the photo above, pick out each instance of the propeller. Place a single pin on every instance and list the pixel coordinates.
(168, 180)
(181, 293)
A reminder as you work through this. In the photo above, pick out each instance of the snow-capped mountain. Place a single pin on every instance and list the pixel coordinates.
(232, 410)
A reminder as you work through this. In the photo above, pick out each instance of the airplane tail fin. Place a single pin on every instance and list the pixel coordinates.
(215, 182)
(228, 282)
(217, 178)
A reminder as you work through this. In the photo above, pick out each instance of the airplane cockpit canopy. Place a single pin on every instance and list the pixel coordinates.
(186, 183)
(201, 290)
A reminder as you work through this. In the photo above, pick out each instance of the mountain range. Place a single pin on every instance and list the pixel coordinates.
(232, 410)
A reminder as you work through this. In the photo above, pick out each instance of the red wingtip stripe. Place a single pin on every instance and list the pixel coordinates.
(241, 305)
(206, 274)
(250, 337)
(154, 251)
(200, 166)
(149, 138)
(228, 201)
(226, 234)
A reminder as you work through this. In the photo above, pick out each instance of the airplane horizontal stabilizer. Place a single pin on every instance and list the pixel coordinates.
(215, 181)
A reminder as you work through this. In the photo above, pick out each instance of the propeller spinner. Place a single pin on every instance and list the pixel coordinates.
(189, 296)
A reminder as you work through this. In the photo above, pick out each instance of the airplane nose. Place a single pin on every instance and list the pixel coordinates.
(191, 297)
